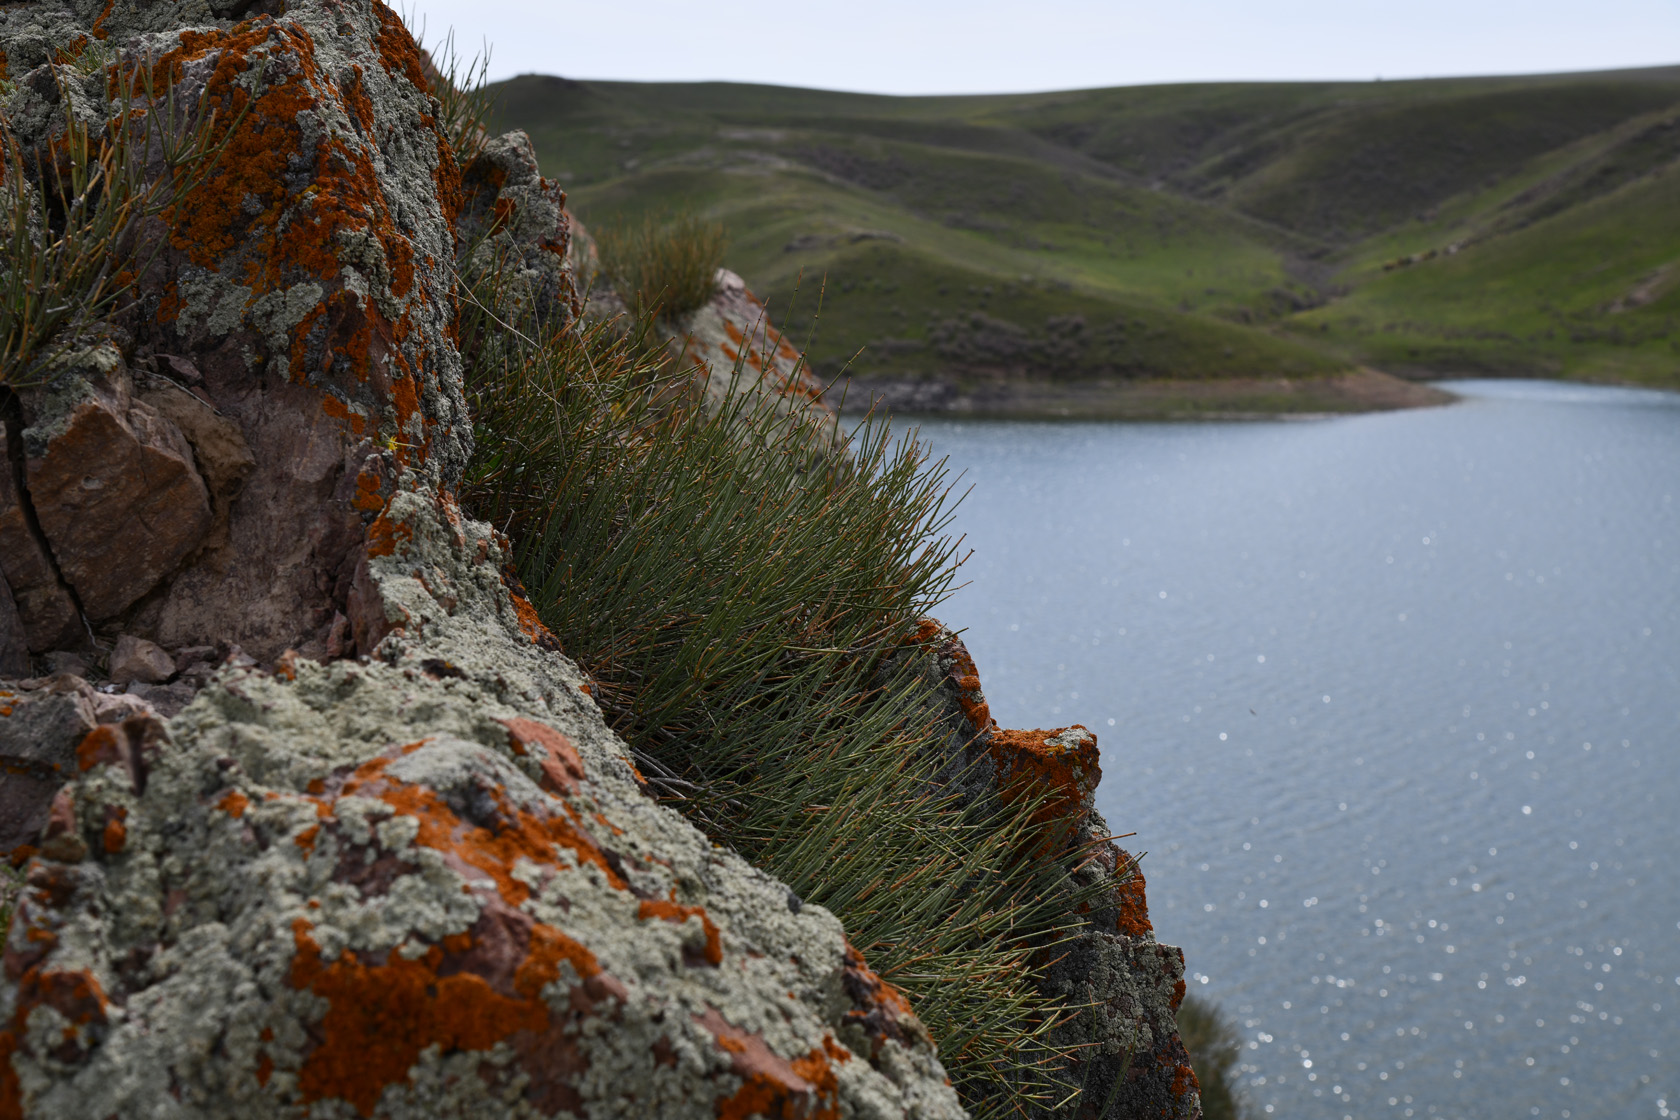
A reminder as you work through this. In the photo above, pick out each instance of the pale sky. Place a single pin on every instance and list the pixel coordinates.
(983, 46)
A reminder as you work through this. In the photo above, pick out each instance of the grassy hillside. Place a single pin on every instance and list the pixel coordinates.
(1261, 231)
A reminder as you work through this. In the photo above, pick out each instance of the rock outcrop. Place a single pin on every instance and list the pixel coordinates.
(1120, 1047)
(738, 357)
(387, 860)
(315, 817)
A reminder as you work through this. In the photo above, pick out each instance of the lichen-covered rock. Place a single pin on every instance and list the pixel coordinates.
(513, 220)
(423, 885)
(305, 295)
(733, 343)
(39, 731)
(1121, 1049)
(738, 355)
(389, 861)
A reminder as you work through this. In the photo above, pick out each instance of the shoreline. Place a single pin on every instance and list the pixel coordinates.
(1235, 398)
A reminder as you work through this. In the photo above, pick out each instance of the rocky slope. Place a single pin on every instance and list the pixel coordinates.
(316, 819)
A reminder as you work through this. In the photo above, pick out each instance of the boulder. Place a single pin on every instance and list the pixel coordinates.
(375, 852)
(136, 659)
(424, 884)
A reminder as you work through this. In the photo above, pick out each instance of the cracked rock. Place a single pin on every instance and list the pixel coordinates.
(45, 609)
(119, 501)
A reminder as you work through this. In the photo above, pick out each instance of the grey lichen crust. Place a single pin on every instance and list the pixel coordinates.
(426, 884)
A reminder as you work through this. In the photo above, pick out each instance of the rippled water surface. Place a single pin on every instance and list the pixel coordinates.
(1393, 703)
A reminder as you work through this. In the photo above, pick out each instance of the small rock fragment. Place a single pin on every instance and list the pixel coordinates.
(136, 659)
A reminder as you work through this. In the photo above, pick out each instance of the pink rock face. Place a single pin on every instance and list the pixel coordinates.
(119, 501)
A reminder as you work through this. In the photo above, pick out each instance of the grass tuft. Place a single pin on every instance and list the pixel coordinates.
(76, 236)
(1214, 1046)
(734, 598)
(664, 264)
(464, 100)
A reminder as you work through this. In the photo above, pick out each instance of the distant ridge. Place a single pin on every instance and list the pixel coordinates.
(1523, 224)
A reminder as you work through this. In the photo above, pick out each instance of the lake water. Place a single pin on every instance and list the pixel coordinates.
(1393, 703)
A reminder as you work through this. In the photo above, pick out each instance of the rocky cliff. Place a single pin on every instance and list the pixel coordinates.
(315, 818)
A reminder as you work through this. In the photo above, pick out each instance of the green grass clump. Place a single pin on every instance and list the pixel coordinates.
(1214, 1047)
(664, 264)
(734, 597)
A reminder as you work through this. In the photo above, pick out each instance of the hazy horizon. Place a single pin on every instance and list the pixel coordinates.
(934, 47)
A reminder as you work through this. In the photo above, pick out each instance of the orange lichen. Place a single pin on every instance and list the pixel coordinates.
(234, 804)
(495, 853)
(369, 490)
(541, 966)
(1133, 901)
(679, 914)
(254, 219)
(562, 768)
(384, 534)
(116, 830)
(931, 635)
(1184, 1081)
(399, 54)
(381, 1016)
(771, 1086)
(405, 399)
(306, 839)
(532, 624)
(98, 29)
(99, 746)
(338, 410)
(1064, 777)
(876, 991)
(384, 1011)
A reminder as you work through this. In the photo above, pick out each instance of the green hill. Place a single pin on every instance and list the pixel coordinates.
(1260, 231)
